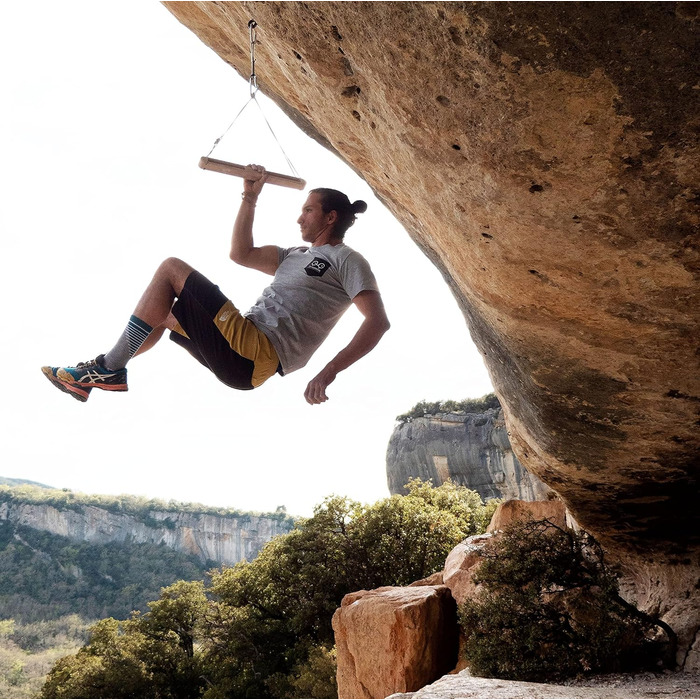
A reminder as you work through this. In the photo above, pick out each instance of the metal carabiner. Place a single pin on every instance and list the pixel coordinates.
(253, 80)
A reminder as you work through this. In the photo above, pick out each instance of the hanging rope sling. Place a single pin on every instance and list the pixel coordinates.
(222, 166)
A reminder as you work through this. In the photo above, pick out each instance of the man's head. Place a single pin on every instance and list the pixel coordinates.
(333, 201)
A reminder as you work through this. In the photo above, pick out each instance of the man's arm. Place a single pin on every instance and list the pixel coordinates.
(243, 251)
(368, 335)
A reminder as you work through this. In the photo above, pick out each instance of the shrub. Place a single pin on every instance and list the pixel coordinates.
(549, 608)
(431, 408)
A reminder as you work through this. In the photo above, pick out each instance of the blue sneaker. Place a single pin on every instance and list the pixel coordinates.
(80, 380)
(75, 391)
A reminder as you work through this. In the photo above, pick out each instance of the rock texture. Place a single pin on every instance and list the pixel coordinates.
(394, 640)
(470, 449)
(545, 157)
(225, 540)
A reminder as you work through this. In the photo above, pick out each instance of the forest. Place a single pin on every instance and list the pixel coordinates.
(53, 589)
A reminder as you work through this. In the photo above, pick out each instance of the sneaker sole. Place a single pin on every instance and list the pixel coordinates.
(74, 391)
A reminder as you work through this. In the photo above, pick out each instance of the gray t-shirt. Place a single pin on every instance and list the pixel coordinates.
(311, 290)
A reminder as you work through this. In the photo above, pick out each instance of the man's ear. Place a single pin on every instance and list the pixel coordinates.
(332, 216)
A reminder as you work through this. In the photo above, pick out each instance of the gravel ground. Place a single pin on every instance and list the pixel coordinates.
(648, 685)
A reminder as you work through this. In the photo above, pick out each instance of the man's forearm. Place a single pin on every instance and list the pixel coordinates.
(242, 236)
(243, 249)
(365, 340)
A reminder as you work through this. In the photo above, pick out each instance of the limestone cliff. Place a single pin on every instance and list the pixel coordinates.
(470, 449)
(546, 158)
(220, 539)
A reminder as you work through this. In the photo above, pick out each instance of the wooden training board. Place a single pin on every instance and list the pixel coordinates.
(222, 166)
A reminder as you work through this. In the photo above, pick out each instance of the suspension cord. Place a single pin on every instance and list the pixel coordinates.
(253, 89)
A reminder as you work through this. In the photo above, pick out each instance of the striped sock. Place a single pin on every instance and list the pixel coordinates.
(127, 346)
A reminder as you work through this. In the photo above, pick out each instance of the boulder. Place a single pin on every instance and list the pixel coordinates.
(463, 685)
(460, 565)
(514, 511)
(394, 640)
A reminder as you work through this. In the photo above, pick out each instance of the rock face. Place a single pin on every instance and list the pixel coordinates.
(224, 540)
(471, 449)
(545, 157)
(394, 640)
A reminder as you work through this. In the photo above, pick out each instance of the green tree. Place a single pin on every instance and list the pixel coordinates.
(178, 610)
(150, 655)
(549, 608)
(110, 666)
(313, 678)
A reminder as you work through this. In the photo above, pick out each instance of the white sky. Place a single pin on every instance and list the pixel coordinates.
(107, 108)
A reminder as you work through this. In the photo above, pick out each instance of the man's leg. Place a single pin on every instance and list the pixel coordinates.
(151, 317)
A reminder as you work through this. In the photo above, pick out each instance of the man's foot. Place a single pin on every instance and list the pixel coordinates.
(80, 380)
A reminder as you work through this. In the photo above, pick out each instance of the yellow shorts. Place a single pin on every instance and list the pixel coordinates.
(214, 332)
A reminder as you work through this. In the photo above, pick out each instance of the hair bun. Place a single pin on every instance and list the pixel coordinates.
(359, 207)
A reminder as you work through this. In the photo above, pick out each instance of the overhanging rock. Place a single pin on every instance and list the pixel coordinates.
(545, 157)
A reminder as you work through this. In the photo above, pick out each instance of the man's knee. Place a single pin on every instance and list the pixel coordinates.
(175, 271)
(171, 322)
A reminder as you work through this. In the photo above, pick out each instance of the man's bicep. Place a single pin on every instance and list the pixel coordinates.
(264, 259)
(370, 304)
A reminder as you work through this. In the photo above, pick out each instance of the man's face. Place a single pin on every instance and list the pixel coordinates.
(313, 222)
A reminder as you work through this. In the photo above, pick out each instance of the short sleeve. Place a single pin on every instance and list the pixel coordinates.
(356, 275)
(284, 252)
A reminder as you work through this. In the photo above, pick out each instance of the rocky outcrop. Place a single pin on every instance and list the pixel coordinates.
(470, 449)
(461, 564)
(220, 539)
(394, 640)
(375, 640)
(545, 157)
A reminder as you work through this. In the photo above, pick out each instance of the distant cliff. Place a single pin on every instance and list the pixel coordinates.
(63, 553)
(211, 536)
(471, 449)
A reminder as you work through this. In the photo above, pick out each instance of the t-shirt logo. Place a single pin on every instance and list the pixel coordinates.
(316, 267)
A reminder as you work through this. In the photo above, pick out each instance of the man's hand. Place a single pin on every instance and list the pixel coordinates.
(316, 390)
(256, 177)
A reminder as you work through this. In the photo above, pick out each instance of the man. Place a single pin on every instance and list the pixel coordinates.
(312, 287)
